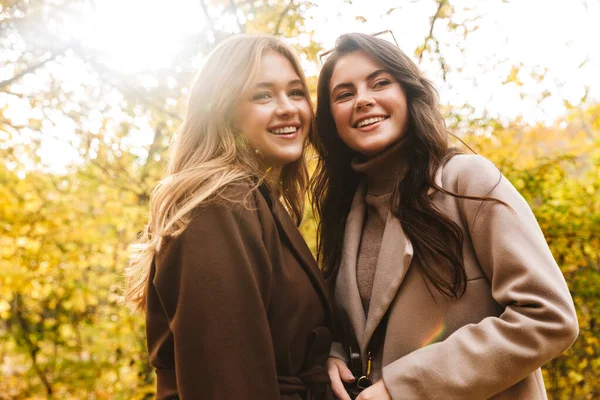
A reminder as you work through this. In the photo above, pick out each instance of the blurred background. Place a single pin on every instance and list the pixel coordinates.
(92, 90)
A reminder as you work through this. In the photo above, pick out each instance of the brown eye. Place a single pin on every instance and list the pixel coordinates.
(343, 95)
(382, 82)
(297, 93)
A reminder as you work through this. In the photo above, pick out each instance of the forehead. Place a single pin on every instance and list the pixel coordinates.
(352, 67)
(276, 67)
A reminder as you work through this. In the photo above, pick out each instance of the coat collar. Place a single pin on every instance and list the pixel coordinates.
(346, 287)
(395, 256)
(289, 232)
(394, 259)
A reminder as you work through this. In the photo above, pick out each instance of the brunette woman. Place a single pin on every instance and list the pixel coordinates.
(439, 269)
(236, 307)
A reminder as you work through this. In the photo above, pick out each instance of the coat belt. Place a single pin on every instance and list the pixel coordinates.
(313, 379)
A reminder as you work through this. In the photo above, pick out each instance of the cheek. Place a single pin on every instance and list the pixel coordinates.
(340, 116)
(305, 111)
(251, 122)
(403, 117)
(259, 116)
(400, 103)
(246, 115)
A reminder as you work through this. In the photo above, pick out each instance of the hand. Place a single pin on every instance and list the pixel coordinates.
(377, 391)
(338, 372)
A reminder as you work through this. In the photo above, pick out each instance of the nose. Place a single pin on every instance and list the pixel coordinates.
(363, 101)
(286, 107)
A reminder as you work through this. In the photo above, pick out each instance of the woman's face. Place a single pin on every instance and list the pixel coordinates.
(368, 104)
(274, 114)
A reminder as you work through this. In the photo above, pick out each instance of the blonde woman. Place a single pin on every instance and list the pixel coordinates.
(236, 307)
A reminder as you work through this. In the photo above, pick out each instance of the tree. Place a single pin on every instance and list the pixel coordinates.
(64, 234)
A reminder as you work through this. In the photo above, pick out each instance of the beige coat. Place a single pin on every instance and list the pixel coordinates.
(515, 315)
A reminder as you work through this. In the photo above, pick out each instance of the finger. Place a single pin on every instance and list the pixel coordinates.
(344, 371)
(339, 390)
(365, 394)
(336, 383)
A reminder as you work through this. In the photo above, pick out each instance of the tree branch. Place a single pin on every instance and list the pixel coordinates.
(122, 85)
(234, 10)
(443, 64)
(33, 348)
(210, 22)
(114, 179)
(153, 149)
(282, 16)
(29, 69)
(104, 72)
(433, 21)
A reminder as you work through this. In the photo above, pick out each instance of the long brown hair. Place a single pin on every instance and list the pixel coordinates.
(436, 239)
(208, 154)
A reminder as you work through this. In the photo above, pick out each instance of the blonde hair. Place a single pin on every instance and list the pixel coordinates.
(208, 154)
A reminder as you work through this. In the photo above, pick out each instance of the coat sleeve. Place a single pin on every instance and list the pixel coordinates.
(538, 322)
(337, 351)
(214, 282)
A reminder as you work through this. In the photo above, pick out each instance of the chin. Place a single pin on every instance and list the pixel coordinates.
(283, 160)
(371, 151)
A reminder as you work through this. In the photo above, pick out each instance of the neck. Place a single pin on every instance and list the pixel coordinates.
(273, 175)
(384, 170)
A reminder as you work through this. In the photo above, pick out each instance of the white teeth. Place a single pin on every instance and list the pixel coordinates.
(369, 121)
(287, 129)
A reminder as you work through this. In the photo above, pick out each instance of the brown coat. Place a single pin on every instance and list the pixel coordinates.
(237, 308)
(515, 315)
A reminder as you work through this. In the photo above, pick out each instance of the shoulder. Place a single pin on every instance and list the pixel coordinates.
(238, 210)
(222, 239)
(469, 167)
(233, 222)
(469, 174)
(237, 207)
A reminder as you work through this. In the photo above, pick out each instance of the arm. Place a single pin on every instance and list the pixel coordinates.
(538, 323)
(214, 283)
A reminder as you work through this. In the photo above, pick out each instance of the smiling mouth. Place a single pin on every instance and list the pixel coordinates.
(369, 121)
(287, 130)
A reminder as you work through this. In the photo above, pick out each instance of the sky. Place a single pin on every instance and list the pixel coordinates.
(557, 35)
(556, 39)
(534, 34)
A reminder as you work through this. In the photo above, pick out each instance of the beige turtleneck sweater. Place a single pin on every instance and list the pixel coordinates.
(382, 173)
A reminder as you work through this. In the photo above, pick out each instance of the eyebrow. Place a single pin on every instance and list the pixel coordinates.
(348, 84)
(271, 84)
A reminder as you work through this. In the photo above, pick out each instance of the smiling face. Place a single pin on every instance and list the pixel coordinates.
(367, 103)
(274, 115)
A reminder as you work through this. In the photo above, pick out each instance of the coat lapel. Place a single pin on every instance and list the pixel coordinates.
(395, 256)
(346, 287)
(290, 233)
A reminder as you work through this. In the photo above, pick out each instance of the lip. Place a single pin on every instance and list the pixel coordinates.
(287, 136)
(356, 122)
(369, 128)
(296, 125)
